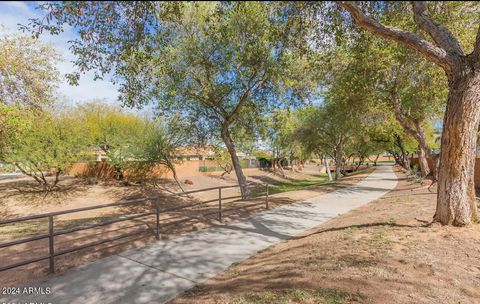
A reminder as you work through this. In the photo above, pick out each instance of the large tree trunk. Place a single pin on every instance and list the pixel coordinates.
(422, 140)
(401, 158)
(436, 165)
(423, 162)
(360, 162)
(242, 181)
(396, 157)
(338, 164)
(338, 157)
(280, 167)
(414, 127)
(327, 168)
(456, 189)
(375, 160)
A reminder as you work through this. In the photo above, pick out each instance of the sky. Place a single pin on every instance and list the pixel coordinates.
(12, 13)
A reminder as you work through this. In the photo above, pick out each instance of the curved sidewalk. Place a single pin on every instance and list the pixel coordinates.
(158, 272)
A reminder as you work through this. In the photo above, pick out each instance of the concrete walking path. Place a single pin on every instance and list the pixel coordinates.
(158, 272)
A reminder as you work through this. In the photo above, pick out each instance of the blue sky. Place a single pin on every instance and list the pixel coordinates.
(12, 13)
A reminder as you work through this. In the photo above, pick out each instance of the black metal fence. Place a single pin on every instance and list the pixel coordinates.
(156, 211)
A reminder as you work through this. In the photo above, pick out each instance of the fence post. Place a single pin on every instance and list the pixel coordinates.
(51, 249)
(220, 204)
(266, 196)
(157, 213)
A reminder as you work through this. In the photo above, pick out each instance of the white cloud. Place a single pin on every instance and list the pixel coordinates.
(14, 13)
(20, 5)
(89, 89)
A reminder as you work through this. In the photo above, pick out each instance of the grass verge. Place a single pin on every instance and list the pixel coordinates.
(286, 296)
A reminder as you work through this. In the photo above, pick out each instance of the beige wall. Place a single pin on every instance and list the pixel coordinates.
(184, 169)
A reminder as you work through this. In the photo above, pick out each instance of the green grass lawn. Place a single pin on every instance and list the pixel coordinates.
(298, 185)
(293, 185)
(386, 162)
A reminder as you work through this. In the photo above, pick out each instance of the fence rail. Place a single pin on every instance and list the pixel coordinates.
(156, 211)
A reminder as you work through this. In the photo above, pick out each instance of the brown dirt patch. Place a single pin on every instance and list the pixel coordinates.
(383, 252)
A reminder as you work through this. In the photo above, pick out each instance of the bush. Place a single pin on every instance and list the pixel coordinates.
(415, 176)
(244, 163)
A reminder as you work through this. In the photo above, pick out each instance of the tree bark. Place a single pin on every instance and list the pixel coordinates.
(422, 140)
(280, 167)
(242, 181)
(360, 162)
(423, 162)
(327, 168)
(414, 127)
(402, 157)
(37, 179)
(41, 180)
(456, 189)
(338, 164)
(171, 166)
(374, 160)
(57, 177)
(397, 158)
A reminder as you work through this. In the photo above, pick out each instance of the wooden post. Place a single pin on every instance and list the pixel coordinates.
(157, 213)
(220, 204)
(51, 249)
(266, 196)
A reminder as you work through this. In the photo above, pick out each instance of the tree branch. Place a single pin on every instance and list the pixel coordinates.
(412, 40)
(399, 115)
(440, 34)
(476, 49)
(244, 97)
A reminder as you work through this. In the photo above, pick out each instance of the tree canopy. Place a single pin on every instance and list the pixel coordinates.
(28, 76)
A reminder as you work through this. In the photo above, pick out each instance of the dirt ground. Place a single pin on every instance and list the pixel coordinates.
(383, 252)
(18, 197)
(15, 203)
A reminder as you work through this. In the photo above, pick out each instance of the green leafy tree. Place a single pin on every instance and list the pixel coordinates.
(324, 132)
(28, 79)
(370, 74)
(281, 138)
(417, 93)
(112, 131)
(218, 62)
(445, 34)
(388, 135)
(28, 76)
(45, 143)
(132, 144)
(157, 144)
(223, 160)
(446, 38)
